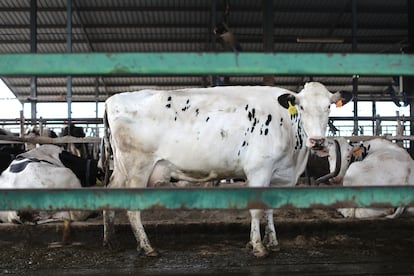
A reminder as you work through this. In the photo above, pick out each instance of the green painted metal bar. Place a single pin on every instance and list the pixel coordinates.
(207, 198)
(206, 63)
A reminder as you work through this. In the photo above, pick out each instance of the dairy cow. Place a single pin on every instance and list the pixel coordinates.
(261, 134)
(376, 162)
(47, 166)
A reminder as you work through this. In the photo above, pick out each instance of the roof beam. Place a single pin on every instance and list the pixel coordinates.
(205, 8)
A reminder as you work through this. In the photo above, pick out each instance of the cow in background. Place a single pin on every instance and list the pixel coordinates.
(35, 131)
(48, 166)
(376, 162)
(79, 149)
(262, 134)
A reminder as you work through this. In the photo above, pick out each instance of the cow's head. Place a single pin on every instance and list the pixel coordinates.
(313, 103)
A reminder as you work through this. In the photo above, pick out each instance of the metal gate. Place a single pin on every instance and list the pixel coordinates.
(206, 63)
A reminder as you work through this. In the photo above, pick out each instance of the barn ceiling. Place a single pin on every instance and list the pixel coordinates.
(381, 26)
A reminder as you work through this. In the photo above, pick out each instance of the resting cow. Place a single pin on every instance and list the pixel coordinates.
(376, 162)
(262, 134)
(47, 166)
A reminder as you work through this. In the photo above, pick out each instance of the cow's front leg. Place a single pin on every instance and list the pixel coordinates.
(270, 239)
(255, 238)
(140, 235)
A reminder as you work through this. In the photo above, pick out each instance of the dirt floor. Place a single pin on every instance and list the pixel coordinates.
(313, 242)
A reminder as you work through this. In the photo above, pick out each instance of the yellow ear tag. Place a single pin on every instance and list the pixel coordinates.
(292, 109)
(339, 103)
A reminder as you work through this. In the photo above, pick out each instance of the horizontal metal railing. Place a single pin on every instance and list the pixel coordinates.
(206, 63)
(206, 198)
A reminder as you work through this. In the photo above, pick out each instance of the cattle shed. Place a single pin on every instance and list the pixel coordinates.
(85, 51)
(74, 51)
(275, 27)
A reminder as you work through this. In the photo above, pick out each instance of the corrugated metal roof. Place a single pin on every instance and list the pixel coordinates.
(186, 26)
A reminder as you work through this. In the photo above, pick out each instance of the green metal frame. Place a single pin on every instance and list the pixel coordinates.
(206, 63)
(206, 198)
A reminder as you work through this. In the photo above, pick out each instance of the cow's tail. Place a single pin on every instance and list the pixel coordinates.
(106, 150)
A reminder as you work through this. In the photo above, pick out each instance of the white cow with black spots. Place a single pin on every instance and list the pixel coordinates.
(47, 166)
(262, 134)
(376, 162)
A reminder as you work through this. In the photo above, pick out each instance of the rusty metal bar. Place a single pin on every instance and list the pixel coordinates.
(206, 198)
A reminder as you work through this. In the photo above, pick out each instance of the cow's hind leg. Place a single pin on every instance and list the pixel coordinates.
(109, 239)
(140, 235)
(255, 238)
(270, 239)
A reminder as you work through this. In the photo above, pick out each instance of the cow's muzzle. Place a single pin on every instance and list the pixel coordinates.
(317, 143)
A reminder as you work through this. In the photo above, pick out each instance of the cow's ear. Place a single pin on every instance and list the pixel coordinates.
(341, 98)
(285, 99)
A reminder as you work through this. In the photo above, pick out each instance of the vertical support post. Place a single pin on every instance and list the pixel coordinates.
(21, 123)
(213, 40)
(33, 49)
(268, 26)
(374, 115)
(408, 81)
(69, 50)
(96, 146)
(355, 77)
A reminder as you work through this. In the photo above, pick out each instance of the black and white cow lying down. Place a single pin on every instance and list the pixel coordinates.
(47, 166)
(376, 162)
(261, 134)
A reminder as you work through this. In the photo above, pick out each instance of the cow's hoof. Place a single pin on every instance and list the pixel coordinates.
(152, 253)
(56, 245)
(273, 248)
(260, 252)
(112, 244)
(64, 244)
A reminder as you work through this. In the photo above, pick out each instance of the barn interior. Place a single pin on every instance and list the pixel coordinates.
(270, 26)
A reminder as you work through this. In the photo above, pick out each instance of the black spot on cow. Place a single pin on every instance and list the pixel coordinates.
(266, 131)
(281, 121)
(20, 166)
(175, 118)
(188, 101)
(244, 143)
(208, 118)
(169, 98)
(247, 107)
(252, 129)
(269, 119)
(184, 108)
(197, 111)
(250, 116)
(168, 105)
(238, 153)
(253, 112)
